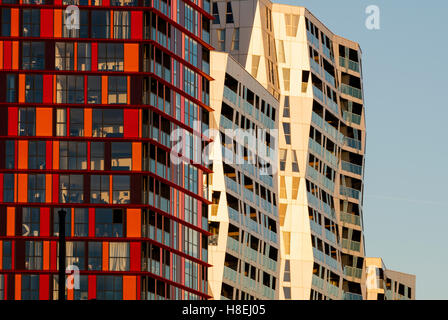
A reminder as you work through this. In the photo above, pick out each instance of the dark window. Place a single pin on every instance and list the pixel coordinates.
(99, 189)
(33, 88)
(81, 222)
(95, 256)
(76, 122)
(215, 13)
(33, 255)
(30, 287)
(31, 22)
(33, 55)
(107, 123)
(94, 89)
(121, 189)
(8, 187)
(7, 255)
(9, 154)
(6, 22)
(109, 287)
(72, 155)
(84, 56)
(36, 188)
(97, 156)
(36, 154)
(69, 89)
(108, 222)
(71, 188)
(30, 222)
(117, 89)
(11, 88)
(229, 14)
(110, 56)
(100, 22)
(121, 157)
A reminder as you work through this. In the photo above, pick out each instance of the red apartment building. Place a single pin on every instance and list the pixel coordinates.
(85, 121)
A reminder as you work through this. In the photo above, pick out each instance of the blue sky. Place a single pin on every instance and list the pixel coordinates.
(405, 74)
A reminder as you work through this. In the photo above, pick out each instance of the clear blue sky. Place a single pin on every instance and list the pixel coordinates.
(405, 66)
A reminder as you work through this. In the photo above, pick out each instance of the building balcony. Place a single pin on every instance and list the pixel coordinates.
(350, 167)
(351, 91)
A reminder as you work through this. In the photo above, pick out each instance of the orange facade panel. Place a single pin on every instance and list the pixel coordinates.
(55, 154)
(14, 22)
(131, 56)
(133, 227)
(22, 187)
(10, 221)
(21, 88)
(57, 23)
(48, 190)
(44, 122)
(104, 89)
(88, 122)
(129, 287)
(22, 146)
(105, 256)
(136, 156)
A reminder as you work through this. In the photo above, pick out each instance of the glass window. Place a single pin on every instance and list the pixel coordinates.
(82, 32)
(215, 13)
(27, 121)
(109, 287)
(75, 252)
(76, 122)
(108, 222)
(8, 187)
(121, 158)
(64, 56)
(11, 88)
(236, 39)
(121, 189)
(117, 89)
(221, 39)
(71, 188)
(68, 221)
(94, 89)
(6, 22)
(84, 56)
(111, 56)
(36, 188)
(69, 89)
(33, 55)
(31, 22)
(95, 256)
(99, 189)
(287, 132)
(229, 14)
(118, 256)
(97, 156)
(36, 154)
(33, 255)
(81, 222)
(7, 255)
(61, 122)
(30, 287)
(100, 22)
(9, 154)
(122, 24)
(107, 123)
(33, 88)
(72, 155)
(30, 222)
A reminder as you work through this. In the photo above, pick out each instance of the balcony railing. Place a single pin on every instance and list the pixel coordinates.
(350, 192)
(351, 245)
(352, 117)
(351, 91)
(350, 218)
(318, 93)
(315, 66)
(350, 167)
(230, 95)
(350, 64)
(352, 143)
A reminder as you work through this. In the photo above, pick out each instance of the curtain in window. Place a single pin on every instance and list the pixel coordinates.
(119, 256)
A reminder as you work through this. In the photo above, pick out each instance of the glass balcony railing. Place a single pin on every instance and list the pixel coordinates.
(330, 79)
(317, 119)
(350, 167)
(352, 296)
(225, 123)
(313, 39)
(315, 66)
(230, 95)
(352, 143)
(233, 214)
(332, 290)
(351, 117)
(230, 274)
(318, 93)
(351, 91)
(330, 236)
(350, 64)
(316, 147)
(351, 245)
(232, 185)
(332, 105)
(350, 218)
(233, 244)
(353, 272)
(318, 282)
(349, 192)
(317, 228)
